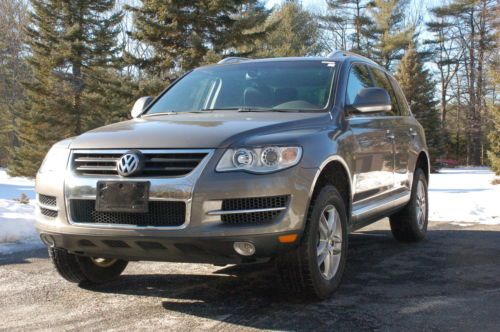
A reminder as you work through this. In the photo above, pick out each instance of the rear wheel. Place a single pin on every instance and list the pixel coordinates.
(79, 269)
(410, 224)
(315, 268)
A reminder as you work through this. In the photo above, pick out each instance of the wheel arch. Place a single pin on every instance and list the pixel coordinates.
(333, 171)
(423, 162)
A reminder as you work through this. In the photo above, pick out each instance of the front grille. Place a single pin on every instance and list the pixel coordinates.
(250, 204)
(155, 163)
(161, 213)
(48, 213)
(47, 200)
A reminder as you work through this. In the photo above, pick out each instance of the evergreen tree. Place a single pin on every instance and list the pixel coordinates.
(183, 34)
(13, 70)
(494, 135)
(389, 35)
(418, 87)
(72, 45)
(348, 20)
(446, 54)
(494, 139)
(293, 32)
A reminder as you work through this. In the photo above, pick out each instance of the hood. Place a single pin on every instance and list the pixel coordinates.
(190, 130)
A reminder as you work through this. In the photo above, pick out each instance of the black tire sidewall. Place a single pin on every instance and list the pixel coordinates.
(97, 274)
(327, 196)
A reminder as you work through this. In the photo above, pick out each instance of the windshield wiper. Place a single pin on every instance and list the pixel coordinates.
(161, 113)
(283, 110)
(255, 109)
(239, 109)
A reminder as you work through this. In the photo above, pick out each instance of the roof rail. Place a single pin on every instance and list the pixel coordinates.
(232, 59)
(346, 53)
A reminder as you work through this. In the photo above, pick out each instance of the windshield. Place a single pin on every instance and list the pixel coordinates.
(264, 86)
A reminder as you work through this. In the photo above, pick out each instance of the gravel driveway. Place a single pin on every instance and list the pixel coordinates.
(449, 282)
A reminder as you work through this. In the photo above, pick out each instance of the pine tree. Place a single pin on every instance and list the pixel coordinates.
(446, 54)
(494, 139)
(494, 135)
(183, 34)
(348, 21)
(13, 70)
(293, 32)
(72, 45)
(389, 35)
(472, 31)
(418, 87)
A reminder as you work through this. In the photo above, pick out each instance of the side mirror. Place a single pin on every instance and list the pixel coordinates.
(372, 100)
(140, 105)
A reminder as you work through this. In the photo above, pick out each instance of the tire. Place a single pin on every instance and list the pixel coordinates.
(408, 225)
(299, 269)
(80, 269)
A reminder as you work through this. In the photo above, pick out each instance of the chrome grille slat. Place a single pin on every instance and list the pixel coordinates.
(95, 160)
(157, 163)
(167, 168)
(172, 160)
(96, 168)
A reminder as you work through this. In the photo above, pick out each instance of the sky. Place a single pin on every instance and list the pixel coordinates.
(309, 4)
(317, 5)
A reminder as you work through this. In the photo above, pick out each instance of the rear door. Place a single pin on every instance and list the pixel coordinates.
(400, 128)
(373, 153)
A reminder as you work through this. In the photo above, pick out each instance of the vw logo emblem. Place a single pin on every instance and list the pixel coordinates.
(130, 163)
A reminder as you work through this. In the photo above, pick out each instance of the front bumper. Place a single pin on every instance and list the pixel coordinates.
(203, 237)
(215, 250)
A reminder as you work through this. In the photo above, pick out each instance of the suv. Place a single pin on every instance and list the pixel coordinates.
(240, 162)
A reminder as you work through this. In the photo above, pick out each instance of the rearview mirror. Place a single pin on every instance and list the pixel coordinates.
(372, 100)
(140, 106)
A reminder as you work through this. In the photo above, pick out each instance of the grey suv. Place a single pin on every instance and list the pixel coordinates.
(240, 162)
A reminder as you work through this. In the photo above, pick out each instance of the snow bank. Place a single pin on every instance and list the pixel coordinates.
(464, 196)
(17, 231)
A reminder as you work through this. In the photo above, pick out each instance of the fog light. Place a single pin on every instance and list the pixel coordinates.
(244, 248)
(48, 240)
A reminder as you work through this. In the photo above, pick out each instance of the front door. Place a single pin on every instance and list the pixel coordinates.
(400, 127)
(373, 151)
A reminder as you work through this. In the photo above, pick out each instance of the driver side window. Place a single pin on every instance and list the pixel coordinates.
(359, 78)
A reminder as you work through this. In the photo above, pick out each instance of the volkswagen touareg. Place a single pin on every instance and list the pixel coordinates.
(240, 162)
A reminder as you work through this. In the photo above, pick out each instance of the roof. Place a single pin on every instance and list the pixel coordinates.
(333, 56)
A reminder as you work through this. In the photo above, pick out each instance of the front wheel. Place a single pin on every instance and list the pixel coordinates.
(91, 270)
(315, 268)
(410, 224)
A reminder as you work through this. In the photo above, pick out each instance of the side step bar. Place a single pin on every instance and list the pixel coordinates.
(387, 203)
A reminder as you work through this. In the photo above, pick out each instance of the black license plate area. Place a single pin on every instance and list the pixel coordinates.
(114, 196)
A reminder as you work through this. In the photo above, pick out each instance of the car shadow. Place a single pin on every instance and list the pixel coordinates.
(381, 275)
(23, 257)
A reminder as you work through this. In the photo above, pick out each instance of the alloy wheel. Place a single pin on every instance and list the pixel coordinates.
(329, 244)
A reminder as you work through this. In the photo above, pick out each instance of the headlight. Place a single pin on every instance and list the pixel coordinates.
(260, 160)
(55, 160)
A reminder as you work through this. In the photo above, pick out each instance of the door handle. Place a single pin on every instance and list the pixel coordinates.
(390, 135)
(413, 133)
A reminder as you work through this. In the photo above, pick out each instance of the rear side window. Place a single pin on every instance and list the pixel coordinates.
(359, 78)
(403, 104)
(382, 81)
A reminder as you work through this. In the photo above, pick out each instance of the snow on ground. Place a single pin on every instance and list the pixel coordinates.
(17, 231)
(462, 196)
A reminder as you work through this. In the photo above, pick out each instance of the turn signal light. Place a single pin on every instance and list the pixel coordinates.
(290, 238)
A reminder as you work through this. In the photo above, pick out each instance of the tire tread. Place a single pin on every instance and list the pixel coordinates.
(403, 222)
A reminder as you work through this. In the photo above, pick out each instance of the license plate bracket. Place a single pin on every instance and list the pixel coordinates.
(122, 196)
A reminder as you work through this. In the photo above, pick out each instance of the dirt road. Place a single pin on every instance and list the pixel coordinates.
(450, 281)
